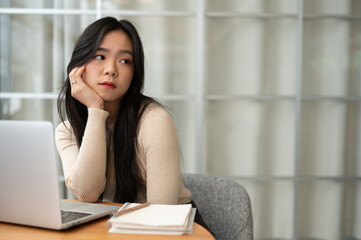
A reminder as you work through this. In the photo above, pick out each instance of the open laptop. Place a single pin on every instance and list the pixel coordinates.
(29, 188)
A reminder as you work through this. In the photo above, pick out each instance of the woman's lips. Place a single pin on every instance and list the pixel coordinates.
(108, 85)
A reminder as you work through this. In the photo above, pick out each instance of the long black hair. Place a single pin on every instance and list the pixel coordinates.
(128, 176)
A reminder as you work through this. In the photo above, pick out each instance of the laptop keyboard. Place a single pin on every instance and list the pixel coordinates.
(67, 216)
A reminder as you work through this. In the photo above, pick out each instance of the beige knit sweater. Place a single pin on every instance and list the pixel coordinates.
(89, 170)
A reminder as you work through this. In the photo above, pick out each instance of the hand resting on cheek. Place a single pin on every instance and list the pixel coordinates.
(81, 91)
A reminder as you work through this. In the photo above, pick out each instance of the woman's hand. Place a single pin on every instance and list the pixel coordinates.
(82, 92)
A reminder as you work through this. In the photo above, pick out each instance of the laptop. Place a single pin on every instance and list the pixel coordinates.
(29, 187)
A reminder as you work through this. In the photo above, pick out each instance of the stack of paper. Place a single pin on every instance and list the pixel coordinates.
(155, 219)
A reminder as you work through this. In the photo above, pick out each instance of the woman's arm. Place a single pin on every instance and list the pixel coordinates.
(84, 168)
(159, 143)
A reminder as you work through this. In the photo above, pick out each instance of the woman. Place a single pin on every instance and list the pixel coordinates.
(117, 145)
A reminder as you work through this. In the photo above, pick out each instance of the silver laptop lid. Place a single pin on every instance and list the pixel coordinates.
(29, 191)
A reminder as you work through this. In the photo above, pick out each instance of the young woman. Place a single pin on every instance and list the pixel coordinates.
(117, 144)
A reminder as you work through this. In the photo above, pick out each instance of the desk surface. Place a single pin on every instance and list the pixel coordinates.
(92, 230)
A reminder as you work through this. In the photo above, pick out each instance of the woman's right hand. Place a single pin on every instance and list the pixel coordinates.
(82, 92)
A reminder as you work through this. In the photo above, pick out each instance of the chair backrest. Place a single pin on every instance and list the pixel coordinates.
(224, 205)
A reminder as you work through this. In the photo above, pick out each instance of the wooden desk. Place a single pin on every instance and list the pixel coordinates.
(93, 230)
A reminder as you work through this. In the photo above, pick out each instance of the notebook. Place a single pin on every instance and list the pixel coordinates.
(164, 219)
(29, 188)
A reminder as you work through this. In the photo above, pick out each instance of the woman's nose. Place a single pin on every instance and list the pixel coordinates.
(110, 69)
(111, 73)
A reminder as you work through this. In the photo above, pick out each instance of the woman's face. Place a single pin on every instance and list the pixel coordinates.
(109, 73)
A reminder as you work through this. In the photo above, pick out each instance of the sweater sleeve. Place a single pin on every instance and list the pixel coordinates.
(85, 167)
(159, 140)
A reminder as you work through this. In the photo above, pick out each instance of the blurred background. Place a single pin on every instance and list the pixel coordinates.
(266, 92)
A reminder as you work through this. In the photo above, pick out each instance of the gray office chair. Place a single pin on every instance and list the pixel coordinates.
(224, 205)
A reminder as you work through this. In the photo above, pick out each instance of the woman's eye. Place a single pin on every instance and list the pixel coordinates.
(125, 61)
(99, 57)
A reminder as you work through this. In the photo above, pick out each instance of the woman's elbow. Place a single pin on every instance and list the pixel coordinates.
(87, 198)
(85, 193)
